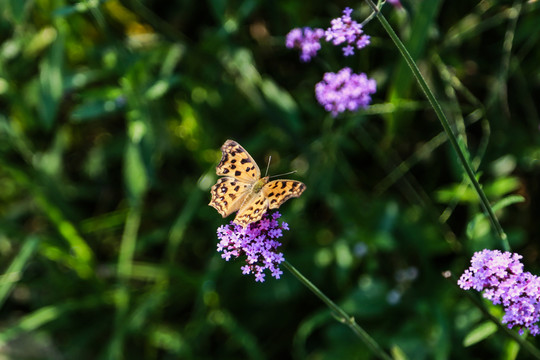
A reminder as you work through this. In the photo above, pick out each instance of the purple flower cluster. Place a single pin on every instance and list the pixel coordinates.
(257, 242)
(345, 30)
(344, 91)
(306, 39)
(501, 277)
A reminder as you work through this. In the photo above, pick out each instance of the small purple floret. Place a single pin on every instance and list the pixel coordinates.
(307, 40)
(500, 276)
(257, 243)
(345, 30)
(344, 91)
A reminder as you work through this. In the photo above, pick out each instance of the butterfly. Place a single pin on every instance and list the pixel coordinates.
(242, 189)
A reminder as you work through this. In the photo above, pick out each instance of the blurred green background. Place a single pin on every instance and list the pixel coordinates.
(112, 114)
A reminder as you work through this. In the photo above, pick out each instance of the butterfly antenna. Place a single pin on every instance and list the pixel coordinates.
(268, 166)
(287, 173)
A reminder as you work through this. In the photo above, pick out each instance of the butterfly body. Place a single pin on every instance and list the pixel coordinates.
(259, 184)
(242, 189)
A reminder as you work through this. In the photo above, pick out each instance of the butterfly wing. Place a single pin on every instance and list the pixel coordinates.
(279, 191)
(236, 162)
(252, 210)
(228, 195)
(242, 189)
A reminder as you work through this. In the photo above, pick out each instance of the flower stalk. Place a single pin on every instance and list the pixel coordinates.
(484, 202)
(339, 313)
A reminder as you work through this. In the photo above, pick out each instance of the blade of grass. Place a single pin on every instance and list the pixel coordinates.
(499, 90)
(446, 126)
(13, 272)
(124, 271)
(45, 315)
(57, 216)
(176, 233)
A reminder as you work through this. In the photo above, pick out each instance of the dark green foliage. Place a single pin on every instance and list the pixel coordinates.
(112, 114)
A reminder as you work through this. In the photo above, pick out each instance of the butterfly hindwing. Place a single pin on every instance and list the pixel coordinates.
(252, 210)
(279, 191)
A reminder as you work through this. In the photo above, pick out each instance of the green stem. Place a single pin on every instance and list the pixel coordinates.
(340, 314)
(124, 273)
(484, 202)
(128, 244)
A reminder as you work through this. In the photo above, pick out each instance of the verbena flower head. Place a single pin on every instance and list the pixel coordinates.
(489, 268)
(345, 30)
(307, 40)
(344, 91)
(501, 277)
(257, 243)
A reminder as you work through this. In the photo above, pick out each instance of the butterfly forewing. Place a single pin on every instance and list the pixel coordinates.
(236, 162)
(279, 191)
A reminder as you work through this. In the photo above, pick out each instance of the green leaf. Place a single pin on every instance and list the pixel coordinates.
(479, 225)
(398, 353)
(135, 177)
(480, 333)
(96, 109)
(502, 186)
(511, 350)
(507, 201)
(161, 87)
(51, 82)
(80, 7)
(15, 10)
(33, 321)
(164, 337)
